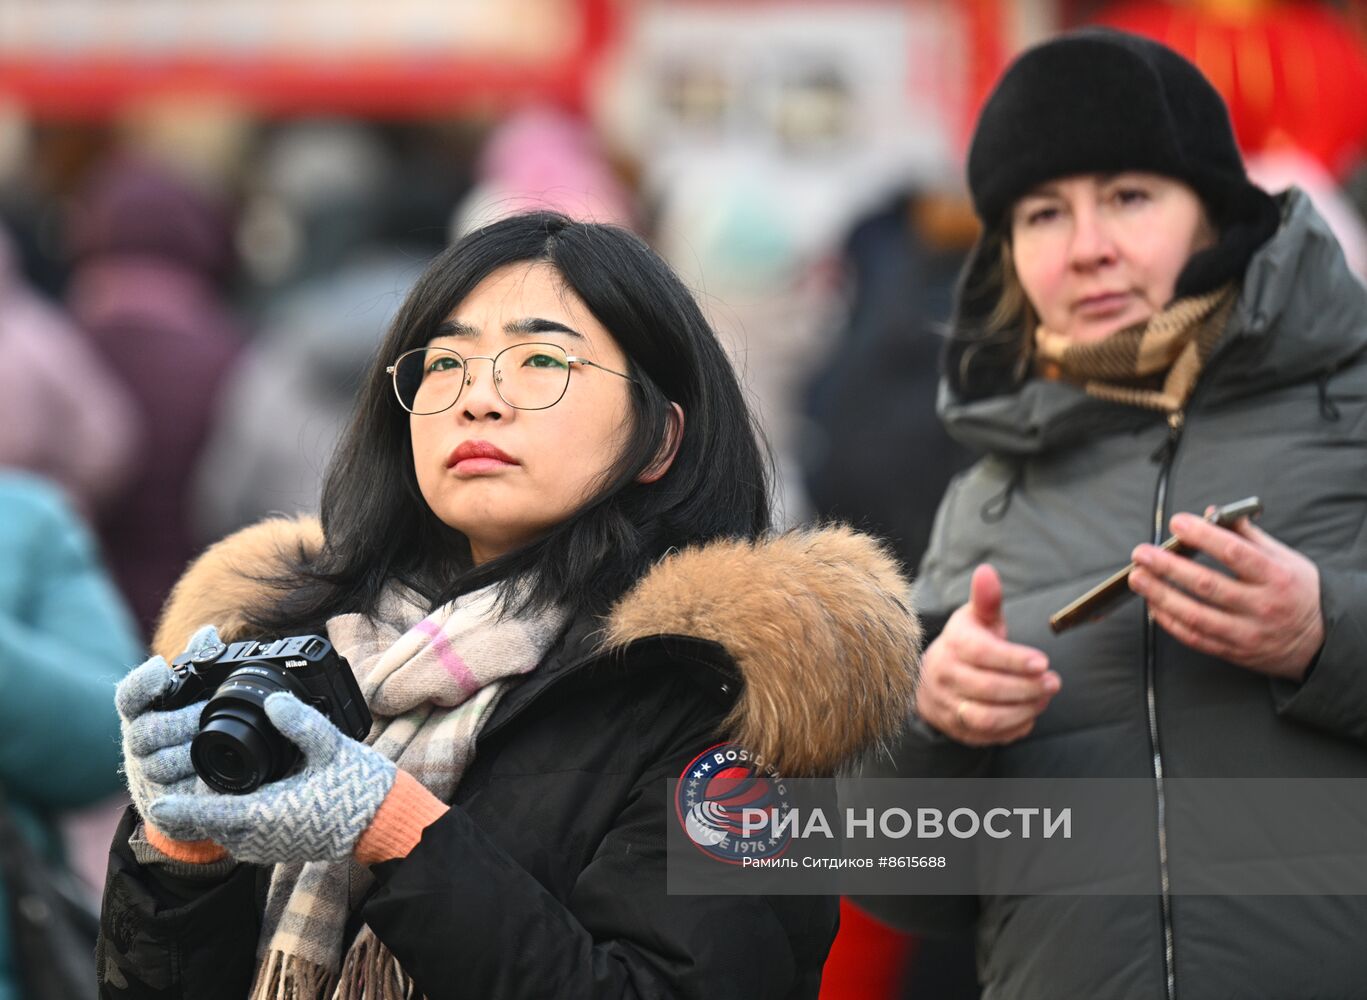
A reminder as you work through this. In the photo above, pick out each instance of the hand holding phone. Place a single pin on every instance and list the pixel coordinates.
(1097, 601)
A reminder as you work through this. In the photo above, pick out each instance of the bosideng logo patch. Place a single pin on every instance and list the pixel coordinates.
(731, 805)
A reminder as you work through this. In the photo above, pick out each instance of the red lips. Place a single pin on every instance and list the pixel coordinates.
(479, 449)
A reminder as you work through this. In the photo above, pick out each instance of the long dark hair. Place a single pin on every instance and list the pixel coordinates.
(378, 528)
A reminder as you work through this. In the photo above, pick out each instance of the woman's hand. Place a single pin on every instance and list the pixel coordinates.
(1265, 617)
(156, 743)
(317, 814)
(975, 686)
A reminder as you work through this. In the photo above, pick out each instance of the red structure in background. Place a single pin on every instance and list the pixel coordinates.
(1293, 74)
(989, 49)
(93, 86)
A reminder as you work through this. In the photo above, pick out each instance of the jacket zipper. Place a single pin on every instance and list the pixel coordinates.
(1175, 426)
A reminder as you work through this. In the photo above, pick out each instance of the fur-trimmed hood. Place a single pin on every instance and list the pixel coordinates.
(817, 621)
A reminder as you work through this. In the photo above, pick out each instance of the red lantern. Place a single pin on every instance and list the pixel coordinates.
(1292, 73)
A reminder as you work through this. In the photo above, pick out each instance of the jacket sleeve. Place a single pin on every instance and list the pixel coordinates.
(164, 937)
(62, 650)
(501, 935)
(1334, 694)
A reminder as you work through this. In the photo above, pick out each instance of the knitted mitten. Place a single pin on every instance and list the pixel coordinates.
(316, 814)
(156, 749)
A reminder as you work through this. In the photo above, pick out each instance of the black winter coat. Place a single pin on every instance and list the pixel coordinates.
(547, 877)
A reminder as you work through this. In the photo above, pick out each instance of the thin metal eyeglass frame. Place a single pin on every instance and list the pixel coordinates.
(393, 371)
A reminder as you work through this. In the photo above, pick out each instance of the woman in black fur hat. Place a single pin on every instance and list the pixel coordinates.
(1142, 333)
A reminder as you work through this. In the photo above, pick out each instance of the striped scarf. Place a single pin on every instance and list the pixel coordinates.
(1154, 364)
(431, 683)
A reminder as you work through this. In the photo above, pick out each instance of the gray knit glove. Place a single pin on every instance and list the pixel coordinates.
(317, 814)
(156, 744)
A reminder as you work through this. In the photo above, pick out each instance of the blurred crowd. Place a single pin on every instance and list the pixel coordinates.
(182, 341)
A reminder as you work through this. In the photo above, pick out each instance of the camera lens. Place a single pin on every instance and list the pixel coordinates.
(231, 755)
(225, 759)
(237, 749)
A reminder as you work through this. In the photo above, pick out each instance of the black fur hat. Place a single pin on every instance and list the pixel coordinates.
(1095, 101)
(1098, 101)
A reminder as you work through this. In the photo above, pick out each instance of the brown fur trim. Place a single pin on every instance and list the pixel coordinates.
(817, 621)
(227, 579)
(819, 624)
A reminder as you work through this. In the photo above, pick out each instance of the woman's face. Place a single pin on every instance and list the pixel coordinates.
(549, 461)
(1099, 252)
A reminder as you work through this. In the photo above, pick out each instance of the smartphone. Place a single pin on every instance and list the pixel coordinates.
(1097, 601)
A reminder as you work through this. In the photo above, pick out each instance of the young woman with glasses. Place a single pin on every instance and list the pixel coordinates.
(544, 552)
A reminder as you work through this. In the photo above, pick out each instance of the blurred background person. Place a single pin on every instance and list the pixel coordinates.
(542, 158)
(876, 453)
(334, 255)
(150, 257)
(762, 137)
(1141, 332)
(66, 638)
(63, 414)
(283, 407)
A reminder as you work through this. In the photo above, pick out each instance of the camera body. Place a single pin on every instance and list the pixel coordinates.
(237, 749)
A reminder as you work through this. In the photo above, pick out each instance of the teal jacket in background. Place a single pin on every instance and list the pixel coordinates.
(65, 640)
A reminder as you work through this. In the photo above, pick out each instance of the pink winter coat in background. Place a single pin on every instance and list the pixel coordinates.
(64, 414)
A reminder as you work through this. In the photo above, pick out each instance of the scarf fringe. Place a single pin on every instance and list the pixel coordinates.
(289, 977)
(371, 972)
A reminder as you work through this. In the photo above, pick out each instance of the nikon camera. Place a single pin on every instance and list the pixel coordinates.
(237, 749)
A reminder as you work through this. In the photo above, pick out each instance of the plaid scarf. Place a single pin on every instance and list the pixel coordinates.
(1154, 364)
(431, 683)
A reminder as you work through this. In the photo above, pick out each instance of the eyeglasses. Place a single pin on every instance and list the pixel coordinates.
(430, 380)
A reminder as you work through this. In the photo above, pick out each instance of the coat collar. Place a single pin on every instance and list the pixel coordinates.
(816, 621)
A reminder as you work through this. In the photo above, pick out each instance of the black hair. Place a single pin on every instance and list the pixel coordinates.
(378, 528)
